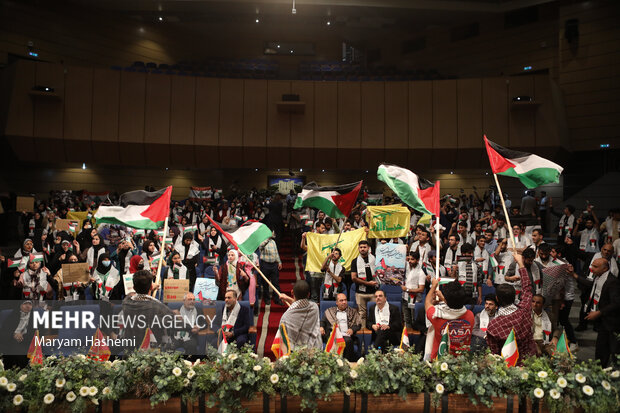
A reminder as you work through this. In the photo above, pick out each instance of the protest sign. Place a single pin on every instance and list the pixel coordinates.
(76, 272)
(390, 261)
(175, 290)
(205, 288)
(25, 203)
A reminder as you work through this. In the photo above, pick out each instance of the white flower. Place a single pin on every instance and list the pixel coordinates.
(524, 375)
(232, 356)
(353, 374)
(191, 373)
(588, 390)
(92, 391)
(444, 366)
(71, 396)
(274, 378)
(48, 399)
(60, 383)
(554, 394)
(562, 382)
(360, 360)
(95, 402)
(197, 362)
(607, 369)
(257, 368)
(54, 357)
(254, 355)
(266, 359)
(615, 374)
(539, 393)
(83, 391)
(12, 386)
(340, 363)
(18, 399)
(283, 358)
(606, 385)
(497, 357)
(428, 363)
(187, 363)
(106, 390)
(580, 378)
(23, 377)
(185, 382)
(4, 381)
(177, 371)
(542, 374)
(82, 356)
(439, 389)
(347, 391)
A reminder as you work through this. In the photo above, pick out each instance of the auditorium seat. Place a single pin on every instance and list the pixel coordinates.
(392, 292)
(477, 309)
(487, 290)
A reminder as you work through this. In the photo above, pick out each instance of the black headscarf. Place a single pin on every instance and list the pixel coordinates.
(102, 269)
(84, 237)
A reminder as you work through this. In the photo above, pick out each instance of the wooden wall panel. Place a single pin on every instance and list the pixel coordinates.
(396, 115)
(373, 115)
(255, 113)
(78, 103)
(48, 112)
(278, 124)
(469, 95)
(231, 112)
(182, 110)
(106, 89)
(522, 119)
(302, 125)
(349, 115)
(157, 109)
(207, 128)
(20, 116)
(444, 114)
(546, 121)
(326, 121)
(420, 114)
(495, 109)
(131, 107)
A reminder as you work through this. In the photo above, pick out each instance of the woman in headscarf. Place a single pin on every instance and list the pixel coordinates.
(148, 250)
(105, 278)
(232, 276)
(85, 237)
(214, 245)
(26, 249)
(123, 255)
(34, 281)
(176, 269)
(154, 238)
(96, 249)
(190, 252)
(68, 291)
(136, 263)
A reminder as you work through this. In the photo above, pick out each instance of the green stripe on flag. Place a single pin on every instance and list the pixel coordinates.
(320, 203)
(403, 190)
(535, 177)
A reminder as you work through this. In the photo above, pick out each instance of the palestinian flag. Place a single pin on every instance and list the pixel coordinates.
(223, 346)
(418, 193)
(99, 350)
(445, 280)
(248, 237)
(404, 339)
(335, 343)
(532, 170)
(562, 346)
(281, 345)
(335, 201)
(493, 261)
(191, 228)
(139, 233)
(38, 257)
(148, 340)
(150, 214)
(20, 264)
(35, 352)
(155, 259)
(444, 344)
(510, 351)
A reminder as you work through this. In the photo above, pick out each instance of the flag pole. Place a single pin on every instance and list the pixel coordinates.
(437, 249)
(261, 273)
(501, 197)
(161, 255)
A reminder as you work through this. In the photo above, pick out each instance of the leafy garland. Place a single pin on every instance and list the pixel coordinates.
(76, 383)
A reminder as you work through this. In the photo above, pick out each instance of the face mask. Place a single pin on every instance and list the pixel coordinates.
(140, 266)
(106, 263)
(86, 226)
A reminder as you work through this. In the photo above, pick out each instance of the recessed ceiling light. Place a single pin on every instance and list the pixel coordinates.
(257, 20)
(329, 23)
(278, 46)
(161, 19)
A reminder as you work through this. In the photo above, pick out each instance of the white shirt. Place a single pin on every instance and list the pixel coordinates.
(341, 316)
(383, 317)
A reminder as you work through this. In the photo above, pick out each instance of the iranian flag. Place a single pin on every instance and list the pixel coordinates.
(281, 345)
(418, 193)
(223, 346)
(335, 343)
(532, 170)
(248, 237)
(510, 351)
(149, 213)
(404, 339)
(335, 201)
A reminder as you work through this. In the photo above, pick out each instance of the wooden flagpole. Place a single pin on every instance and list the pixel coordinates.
(501, 196)
(162, 255)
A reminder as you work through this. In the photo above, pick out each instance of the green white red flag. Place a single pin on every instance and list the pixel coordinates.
(335, 343)
(417, 192)
(510, 351)
(404, 339)
(281, 345)
(248, 237)
(335, 201)
(149, 215)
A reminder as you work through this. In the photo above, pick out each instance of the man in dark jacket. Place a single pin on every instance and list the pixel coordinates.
(385, 321)
(603, 308)
(348, 321)
(236, 320)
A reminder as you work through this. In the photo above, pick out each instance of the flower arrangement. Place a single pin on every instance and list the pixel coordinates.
(399, 372)
(311, 374)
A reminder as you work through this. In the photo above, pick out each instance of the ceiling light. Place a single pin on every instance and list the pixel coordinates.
(329, 23)
(83, 165)
(451, 172)
(322, 170)
(257, 20)
(255, 169)
(278, 46)
(301, 169)
(291, 51)
(161, 19)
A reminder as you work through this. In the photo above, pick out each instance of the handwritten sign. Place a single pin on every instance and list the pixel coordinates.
(76, 272)
(175, 290)
(205, 288)
(390, 262)
(69, 225)
(128, 283)
(25, 203)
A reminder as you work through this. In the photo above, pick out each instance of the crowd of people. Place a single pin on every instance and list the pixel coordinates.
(475, 253)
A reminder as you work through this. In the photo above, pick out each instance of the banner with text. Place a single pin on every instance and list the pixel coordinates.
(320, 245)
(388, 221)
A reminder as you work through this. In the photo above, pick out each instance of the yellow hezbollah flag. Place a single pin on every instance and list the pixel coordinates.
(388, 221)
(81, 216)
(320, 245)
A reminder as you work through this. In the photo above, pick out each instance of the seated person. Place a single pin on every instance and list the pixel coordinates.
(481, 322)
(188, 339)
(542, 328)
(349, 323)
(385, 321)
(236, 320)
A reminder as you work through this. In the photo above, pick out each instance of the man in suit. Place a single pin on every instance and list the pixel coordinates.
(236, 320)
(349, 323)
(385, 321)
(603, 308)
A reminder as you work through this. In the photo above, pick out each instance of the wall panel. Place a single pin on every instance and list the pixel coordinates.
(469, 102)
(131, 107)
(207, 127)
(349, 115)
(444, 114)
(495, 109)
(522, 119)
(302, 124)
(420, 114)
(48, 112)
(106, 89)
(182, 110)
(396, 115)
(231, 112)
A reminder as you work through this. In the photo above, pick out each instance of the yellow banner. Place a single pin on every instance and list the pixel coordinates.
(320, 245)
(388, 221)
(81, 216)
